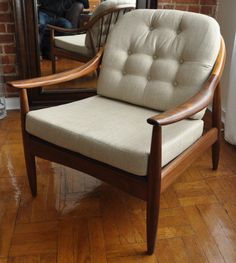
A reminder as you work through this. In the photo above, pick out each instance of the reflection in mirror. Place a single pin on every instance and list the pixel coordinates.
(71, 33)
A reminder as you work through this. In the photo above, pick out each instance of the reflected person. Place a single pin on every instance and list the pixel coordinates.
(54, 12)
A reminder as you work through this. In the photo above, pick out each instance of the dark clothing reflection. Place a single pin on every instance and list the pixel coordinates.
(54, 12)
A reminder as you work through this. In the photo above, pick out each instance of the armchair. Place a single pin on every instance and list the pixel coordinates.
(84, 42)
(159, 69)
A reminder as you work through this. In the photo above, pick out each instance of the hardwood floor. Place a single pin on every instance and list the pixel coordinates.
(76, 218)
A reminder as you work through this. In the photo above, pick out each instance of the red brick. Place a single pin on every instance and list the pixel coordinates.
(9, 69)
(6, 18)
(181, 7)
(207, 10)
(168, 7)
(9, 59)
(10, 28)
(194, 8)
(208, 2)
(186, 1)
(6, 38)
(10, 49)
(4, 7)
(2, 28)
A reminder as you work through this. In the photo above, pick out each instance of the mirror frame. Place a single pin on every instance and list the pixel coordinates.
(26, 23)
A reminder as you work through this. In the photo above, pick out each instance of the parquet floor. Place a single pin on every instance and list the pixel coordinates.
(76, 218)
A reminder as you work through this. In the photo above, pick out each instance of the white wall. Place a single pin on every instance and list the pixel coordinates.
(227, 20)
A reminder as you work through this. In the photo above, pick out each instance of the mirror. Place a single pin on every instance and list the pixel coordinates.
(29, 52)
(66, 14)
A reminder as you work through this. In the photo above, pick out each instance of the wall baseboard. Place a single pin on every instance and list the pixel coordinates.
(13, 103)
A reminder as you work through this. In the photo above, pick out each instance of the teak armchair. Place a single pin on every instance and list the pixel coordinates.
(83, 43)
(144, 128)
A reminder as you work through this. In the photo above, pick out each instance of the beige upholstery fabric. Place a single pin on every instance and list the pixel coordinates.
(110, 131)
(74, 43)
(158, 58)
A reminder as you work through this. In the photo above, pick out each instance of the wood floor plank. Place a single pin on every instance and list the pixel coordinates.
(163, 252)
(42, 258)
(178, 250)
(73, 241)
(194, 193)
(224, 189)
(195, 253)
(34, 238)
(8, 213)
(96, 241)
(203, 236)
(134, 259)
(222, 229)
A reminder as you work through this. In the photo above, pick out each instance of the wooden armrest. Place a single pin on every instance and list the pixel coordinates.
(195, 104)
(199, 101)
(67, 30)
(58, 78)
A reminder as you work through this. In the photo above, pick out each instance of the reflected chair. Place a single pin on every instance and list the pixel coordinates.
(84, 42)
(160, 70)
(73, 15)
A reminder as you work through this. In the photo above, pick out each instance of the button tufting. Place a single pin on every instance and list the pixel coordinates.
(151, 28)
(155, 57)
(124, 72)
(178, 31)
(129, 52)
(181, 61)
(149, 77)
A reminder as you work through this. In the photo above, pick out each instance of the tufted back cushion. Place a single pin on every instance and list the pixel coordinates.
(158, 58)
(96, 29)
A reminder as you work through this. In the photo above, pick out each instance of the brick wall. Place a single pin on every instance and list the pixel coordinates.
(207, 7)
(8, 64)
(7, 44)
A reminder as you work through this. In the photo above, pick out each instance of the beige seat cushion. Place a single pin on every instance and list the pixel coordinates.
(74, 43)
(110, 131)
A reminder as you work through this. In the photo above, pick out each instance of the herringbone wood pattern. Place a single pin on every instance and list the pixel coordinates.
(76, 218)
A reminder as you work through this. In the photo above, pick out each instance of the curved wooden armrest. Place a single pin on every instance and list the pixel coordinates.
(66, 30)
(195, 104)
(199, 101)
(68, 75)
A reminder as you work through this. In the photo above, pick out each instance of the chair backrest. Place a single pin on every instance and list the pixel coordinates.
(158, 58)
(103, 20)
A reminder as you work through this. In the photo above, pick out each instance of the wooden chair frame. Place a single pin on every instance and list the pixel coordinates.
(95, 43)
(158, 178)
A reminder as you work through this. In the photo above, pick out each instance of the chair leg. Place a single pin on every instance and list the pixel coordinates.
(215, 155)
(152, 223)
(30, 165)
(53, 64)
(153, 189)
(216, 122)
(31, 172)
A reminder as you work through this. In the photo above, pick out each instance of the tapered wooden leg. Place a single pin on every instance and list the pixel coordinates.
(216, 122)
(29, 157)
(31, 172)
(154, 188)
(152, 222)
(53, 58)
